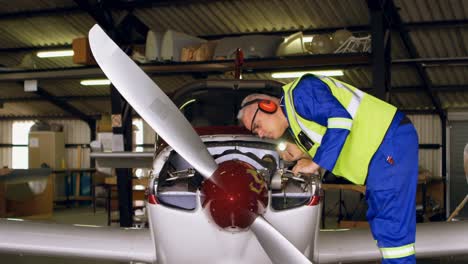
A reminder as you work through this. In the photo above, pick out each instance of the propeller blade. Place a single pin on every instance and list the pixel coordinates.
(150, 102)
(277, 247)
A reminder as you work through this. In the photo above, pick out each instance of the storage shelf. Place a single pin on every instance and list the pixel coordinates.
(208, 67)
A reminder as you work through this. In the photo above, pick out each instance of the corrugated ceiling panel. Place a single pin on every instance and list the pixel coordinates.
(72, 88)
(358, 77)
(90, 107)
(424, 10)
(29, 108)
(454, 100)
(171, 83)
(44, 30)
(398, 49)
(441, 42)
(447, 42)
(242, 16)
(448, 75)
(30, 61)
(7, 6)
(11, 90)
(405, 76)
(410, 100)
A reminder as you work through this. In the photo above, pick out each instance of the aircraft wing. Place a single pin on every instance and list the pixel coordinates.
(76, 241)
(435, 239)
(24, 175)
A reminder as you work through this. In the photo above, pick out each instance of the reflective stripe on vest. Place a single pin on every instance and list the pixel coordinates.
(398, 252)
(355, 99)
(339, 122)
(314, 136)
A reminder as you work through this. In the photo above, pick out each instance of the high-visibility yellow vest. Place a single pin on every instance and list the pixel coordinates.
(371, 118)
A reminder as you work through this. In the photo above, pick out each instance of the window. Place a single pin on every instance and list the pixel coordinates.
(20, 135)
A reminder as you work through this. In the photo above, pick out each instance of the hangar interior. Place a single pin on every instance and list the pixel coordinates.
(412, 54)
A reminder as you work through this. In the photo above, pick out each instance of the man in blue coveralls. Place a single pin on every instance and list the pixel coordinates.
(354, 135)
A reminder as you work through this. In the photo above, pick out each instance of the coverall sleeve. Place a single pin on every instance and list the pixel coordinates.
(314, 101)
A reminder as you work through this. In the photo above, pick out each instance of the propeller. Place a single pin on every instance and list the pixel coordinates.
(150, 102)
(277, 247)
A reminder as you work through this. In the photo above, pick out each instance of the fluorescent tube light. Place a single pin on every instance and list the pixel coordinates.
(307, 39)
(279, 75)
(55, 53)
(95, 82)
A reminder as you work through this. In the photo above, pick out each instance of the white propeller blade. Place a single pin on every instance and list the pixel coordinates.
(277, 247)
(150, 102)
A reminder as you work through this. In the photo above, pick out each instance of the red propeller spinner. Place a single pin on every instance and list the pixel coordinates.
(238, 197)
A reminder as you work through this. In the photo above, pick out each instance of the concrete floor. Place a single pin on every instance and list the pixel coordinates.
(85, 216)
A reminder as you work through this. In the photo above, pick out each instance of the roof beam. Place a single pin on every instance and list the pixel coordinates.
(101, 15)
(61, 98)
(413, 53)
(135, 4)
(327, 61)
(35, 48)
(63, 105)
(397, 89)
(211, 67)
(39, 13)
(381, 49)
(41, 117)
(435, 89)
(113, 5)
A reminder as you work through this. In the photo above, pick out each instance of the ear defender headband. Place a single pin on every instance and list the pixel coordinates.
(265, 105)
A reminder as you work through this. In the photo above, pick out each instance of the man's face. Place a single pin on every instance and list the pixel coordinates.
(263, 124)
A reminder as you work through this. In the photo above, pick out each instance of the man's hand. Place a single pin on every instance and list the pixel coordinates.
(292, 152)
(306, 166)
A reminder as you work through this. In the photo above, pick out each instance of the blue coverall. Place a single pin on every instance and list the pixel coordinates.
(392, 174)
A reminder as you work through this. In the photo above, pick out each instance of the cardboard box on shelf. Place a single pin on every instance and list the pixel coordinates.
(82, 52)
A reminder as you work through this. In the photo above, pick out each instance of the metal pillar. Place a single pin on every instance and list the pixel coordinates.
(443, 120)
(121, 110)
(429, 89)
(120, 127)
(381, 48)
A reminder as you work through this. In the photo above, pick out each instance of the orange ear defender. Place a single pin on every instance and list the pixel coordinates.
(265, 105)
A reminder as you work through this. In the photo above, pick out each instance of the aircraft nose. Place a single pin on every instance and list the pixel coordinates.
(238, 196)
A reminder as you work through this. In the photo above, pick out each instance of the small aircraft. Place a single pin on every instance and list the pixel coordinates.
(223, 197)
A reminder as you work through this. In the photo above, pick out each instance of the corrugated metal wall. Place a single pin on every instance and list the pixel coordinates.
(457, 180)
(429, 132)
(5, 138)
(75, 132)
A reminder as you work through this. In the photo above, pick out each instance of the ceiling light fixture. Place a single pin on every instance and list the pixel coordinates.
(95, 82)
(280, 75)
(55, 53)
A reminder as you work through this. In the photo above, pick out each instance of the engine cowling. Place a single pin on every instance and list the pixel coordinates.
(235, 195)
